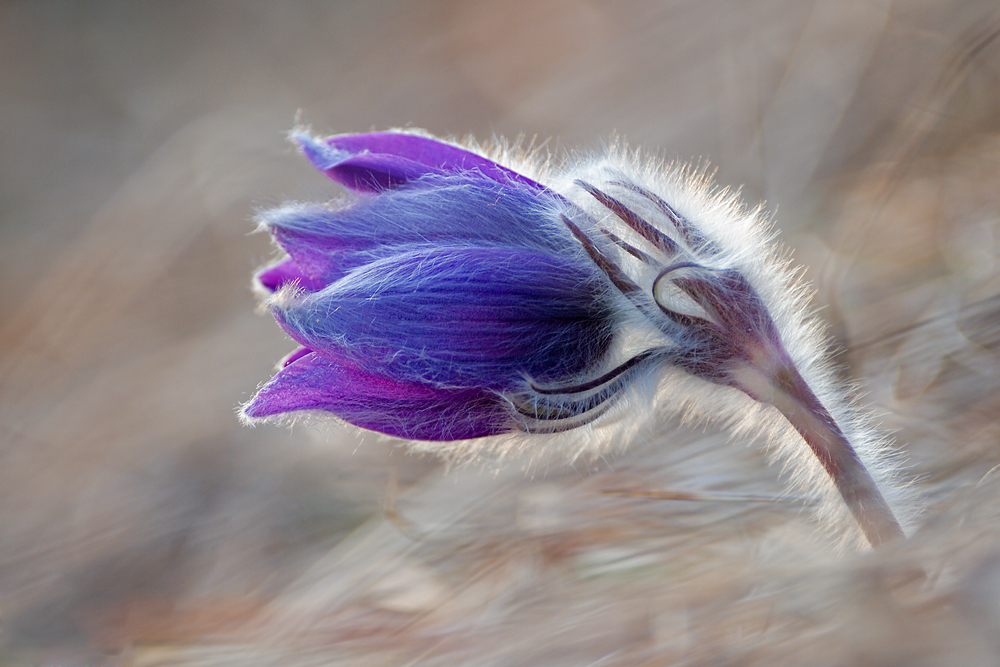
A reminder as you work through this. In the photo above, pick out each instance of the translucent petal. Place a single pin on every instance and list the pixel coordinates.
(377, 161)
(406, 410)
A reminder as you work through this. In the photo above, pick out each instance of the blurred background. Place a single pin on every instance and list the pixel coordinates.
(140, 524)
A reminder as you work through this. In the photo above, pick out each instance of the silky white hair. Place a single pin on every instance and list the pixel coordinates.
(744, 239)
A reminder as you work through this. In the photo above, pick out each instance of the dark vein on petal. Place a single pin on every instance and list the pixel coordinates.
(692, 236)
(614, 273)
(628, 247)
(660, 240)
(597, 382)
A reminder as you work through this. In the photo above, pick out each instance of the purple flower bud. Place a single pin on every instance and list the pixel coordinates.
(453, 297)
(429, 302)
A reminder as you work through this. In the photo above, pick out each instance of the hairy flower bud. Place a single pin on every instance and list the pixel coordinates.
(455, 298)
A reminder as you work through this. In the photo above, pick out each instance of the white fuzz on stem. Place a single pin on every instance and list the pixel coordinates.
(709, 313)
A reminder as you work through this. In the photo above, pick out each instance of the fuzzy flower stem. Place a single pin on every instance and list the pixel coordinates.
(787, 391)
(745, 352)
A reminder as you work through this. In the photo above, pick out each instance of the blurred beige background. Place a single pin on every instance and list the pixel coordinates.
(140, 524)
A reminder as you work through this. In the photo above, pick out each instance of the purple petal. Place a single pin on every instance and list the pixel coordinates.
(405, 410)
(377, 161)
(326, 242)
(459, 317)
(294, 356)
(275, 277)
(375, 173)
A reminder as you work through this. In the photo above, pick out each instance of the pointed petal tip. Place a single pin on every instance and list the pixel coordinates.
(269, 219)
(317, 384)
(318, 151)
(293, 356)
(254, 413)
(269, 280)
(285, 273)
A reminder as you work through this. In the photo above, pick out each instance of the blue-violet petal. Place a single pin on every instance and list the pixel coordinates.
(459, 317)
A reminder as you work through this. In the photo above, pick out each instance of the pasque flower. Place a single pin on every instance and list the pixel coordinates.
(453, 297)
